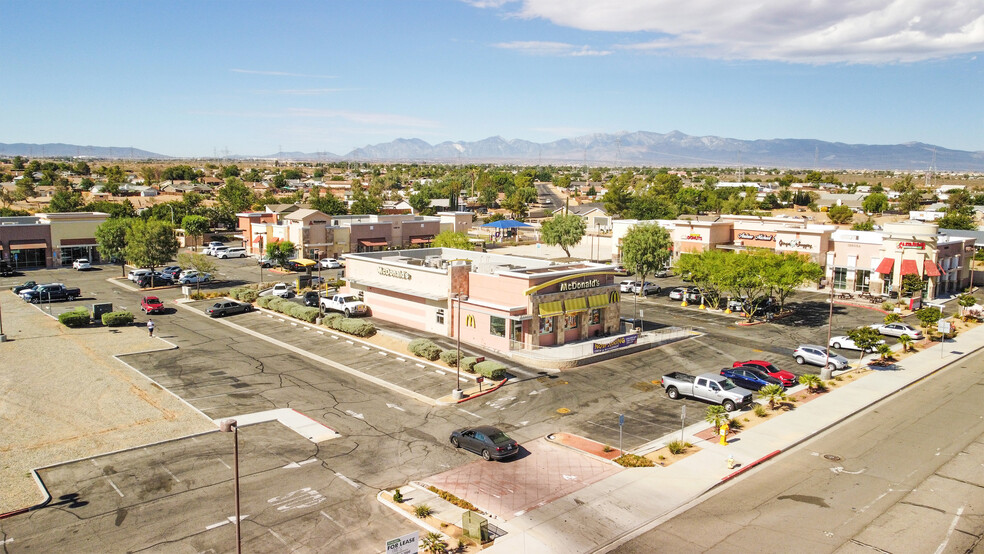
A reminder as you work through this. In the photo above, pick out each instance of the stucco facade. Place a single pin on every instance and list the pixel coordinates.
(50, 240)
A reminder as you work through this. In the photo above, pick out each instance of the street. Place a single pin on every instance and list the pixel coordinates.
(903, 476)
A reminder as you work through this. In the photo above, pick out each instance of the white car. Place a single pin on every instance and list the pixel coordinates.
(845, 342)
(81, 264)
(136, 273)
(627, 285)
(899, 329)
(282, 290)
(195, 278)
(678, 293)
(233, 252)
(330, 263)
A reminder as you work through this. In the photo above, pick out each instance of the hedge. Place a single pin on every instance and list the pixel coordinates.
(244, 294)
(117, 319)
(79, 317)
(306, 313)
(264, 301)
(491, 369)
(468, 363)
(357, 327)
(450, 357)
(425, 349)
(331, 320)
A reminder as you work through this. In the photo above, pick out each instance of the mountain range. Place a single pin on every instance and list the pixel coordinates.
(640, 148)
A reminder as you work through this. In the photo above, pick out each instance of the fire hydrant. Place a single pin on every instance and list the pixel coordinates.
(724, 434)
(731, 462)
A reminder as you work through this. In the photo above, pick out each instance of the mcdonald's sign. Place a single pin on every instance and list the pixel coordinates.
(614, 297)
(469, 320)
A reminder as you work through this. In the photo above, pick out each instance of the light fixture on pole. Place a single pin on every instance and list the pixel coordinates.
(230, 426)
(457, 395)
(827, 372)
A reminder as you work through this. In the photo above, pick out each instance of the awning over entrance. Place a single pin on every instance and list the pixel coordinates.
(598, 301)
(257, 239)
(575, 305)
(931, 268)
(421, 240)
(547, 309)
(367, 242)
(909, 267)
(28, 246)
(885, 267)
(304, 262)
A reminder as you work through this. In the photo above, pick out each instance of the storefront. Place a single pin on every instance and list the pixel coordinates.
(498, 302)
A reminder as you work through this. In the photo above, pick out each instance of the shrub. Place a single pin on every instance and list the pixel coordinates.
(244, 294)
(79, 317)
(774, 394)
(398, 496)
(117, 319)
(760, 410)
(491, 369)
(450, 357)
(716, 415)
(734, 424)
(812, 382)
(892, 318)
(264, 301)
(888, 306)
(278, 304)
(306, 313)
(331, 320)
(607, 448)
(468, 363)
(678, 447)
(422, 511)
(453, 499)
(357, 327)
(198, 295)
(633, 460)
(425, 349)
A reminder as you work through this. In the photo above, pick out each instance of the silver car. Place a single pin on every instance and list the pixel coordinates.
(818, 355)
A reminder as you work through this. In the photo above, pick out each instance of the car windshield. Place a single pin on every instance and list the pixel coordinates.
(349, 299)
(499, 437)
(727, 384)
(771, 368)
(152, 300)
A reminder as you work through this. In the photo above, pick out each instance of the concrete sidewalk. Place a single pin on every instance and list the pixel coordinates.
(634, 500)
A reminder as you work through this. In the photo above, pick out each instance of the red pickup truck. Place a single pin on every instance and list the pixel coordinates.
(152, 305)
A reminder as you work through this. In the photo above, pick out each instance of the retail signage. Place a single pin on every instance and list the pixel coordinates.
(399, 274)
(692, 236)
(620, 342)
(795, 244)
(917, 245)
(407, 544)
(578, 285)
(760, 236)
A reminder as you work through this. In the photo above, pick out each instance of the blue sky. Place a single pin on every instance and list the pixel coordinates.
(194, 78)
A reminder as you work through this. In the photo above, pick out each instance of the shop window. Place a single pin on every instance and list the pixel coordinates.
(887, 286)
(594, 317)
(497, 326)
(840, 277)
(570, 321)
(517, 331)
(440, 316)
(546, 325)
(862, 280)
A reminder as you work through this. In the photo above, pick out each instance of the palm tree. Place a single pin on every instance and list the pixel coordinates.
(716, 415)
(812, 382)
(775, 394)
(433, 543)
(905, 341)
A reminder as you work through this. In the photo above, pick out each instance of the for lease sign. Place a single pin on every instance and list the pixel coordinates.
(407, 544)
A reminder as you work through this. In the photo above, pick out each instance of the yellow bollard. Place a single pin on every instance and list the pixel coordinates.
(683, 304)
(702, 307)
(724, 434)
(727, 310)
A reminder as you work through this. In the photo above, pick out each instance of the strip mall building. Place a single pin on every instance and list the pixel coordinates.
(498, 302)
(853, 261)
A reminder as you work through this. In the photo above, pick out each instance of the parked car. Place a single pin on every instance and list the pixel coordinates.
(311, 298)
(24, 286)
(707, 386)
(845, 342)
(627, 285)
(678, 293)
(330, 263)
(5, 269)
(151, 305)
(171, 271)
(81, 264)
(233, 252)
(486, 440)
(620, 270)
(195, 279)
(283, 290)
(265, 261)
(297, 265)
(817, 355)
(694, 296)
(134, 273)
(749, 378)
(349, 304)
(899, 329)
(153, 280)
(647, 288)
(218, 250)
(49, 293)
(228, 307)
(786, 377)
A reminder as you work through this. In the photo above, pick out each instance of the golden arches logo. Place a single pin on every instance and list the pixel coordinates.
(469, 320)
(613, 297)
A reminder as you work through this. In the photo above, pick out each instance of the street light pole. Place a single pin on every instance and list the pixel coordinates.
(826, 372)
(226, 426)
(457, 335)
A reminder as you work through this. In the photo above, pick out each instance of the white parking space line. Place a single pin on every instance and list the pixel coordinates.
(321, 332)
(350, 342)
(223, 463)
(401, 359)
(364, 347)
(320, 512)
(346, 479)
(115, 488)
(169, 473)
(281, 539)
(214, 525)
(421, 366)
(381, 353)
(11, 539)
(439, 371)
(469, 413)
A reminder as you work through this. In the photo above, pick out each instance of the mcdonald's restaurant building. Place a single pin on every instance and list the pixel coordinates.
(497, 302)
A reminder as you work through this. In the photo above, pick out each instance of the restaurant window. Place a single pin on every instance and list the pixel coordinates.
(440, 316)
(546, 325)
(840, 277)
(497, 326)
(594, 317)
(862, 279)
(570, 321)
(517, 331)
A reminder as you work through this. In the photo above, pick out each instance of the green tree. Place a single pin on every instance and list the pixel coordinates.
(910, 201)
(875, 202)
(617, 200)
(150, 243)
(236, 196)
(327, 204)
(911, 283)
(966, 301)
(905, 185)
(865, 338)
(111, 241)
(280, 252)
(957, 220)
(646, 249)
(812, 381)
(451, 239)
(19, 162)
(563, 230)
(785, 272)
(230, 171)
(363, 204)
(195, 225)
(928, 316)
(840, 214)
(65, 200)
(906, 342)
(199, 262)
(867, 225)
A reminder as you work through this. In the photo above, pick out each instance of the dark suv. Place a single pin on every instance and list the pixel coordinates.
(160, 280)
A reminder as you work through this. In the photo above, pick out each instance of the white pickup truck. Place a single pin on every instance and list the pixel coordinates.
(349, 304)
(708, 386)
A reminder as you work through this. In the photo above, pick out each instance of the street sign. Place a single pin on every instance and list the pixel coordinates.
(943, 327)
(407, 544)
(479, 379)
(621, 420)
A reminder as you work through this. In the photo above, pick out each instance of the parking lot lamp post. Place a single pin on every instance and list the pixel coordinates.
(826, 372)
(457, 335)
(227, 426)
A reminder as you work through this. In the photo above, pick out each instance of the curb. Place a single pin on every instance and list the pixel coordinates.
(416, 520)
(751, 465)
(579, 451)
(483, 393)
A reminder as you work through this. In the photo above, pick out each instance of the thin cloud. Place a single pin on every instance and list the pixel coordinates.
(820, 31)
(280, 73)
(545, 48)
(305, 91)
(487, 3)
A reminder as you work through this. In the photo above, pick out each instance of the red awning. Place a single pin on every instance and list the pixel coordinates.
(909, 267)
(258, 239)
(364, 242)
(274, 240)
(885, 267)
(420, 241)
(931, 268)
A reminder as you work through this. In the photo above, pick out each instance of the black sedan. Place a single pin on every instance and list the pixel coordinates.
(311, 299)
(488, 441)
(228, 307)
(749, 378)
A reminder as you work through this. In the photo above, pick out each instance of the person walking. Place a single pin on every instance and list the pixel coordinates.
(150, 327)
